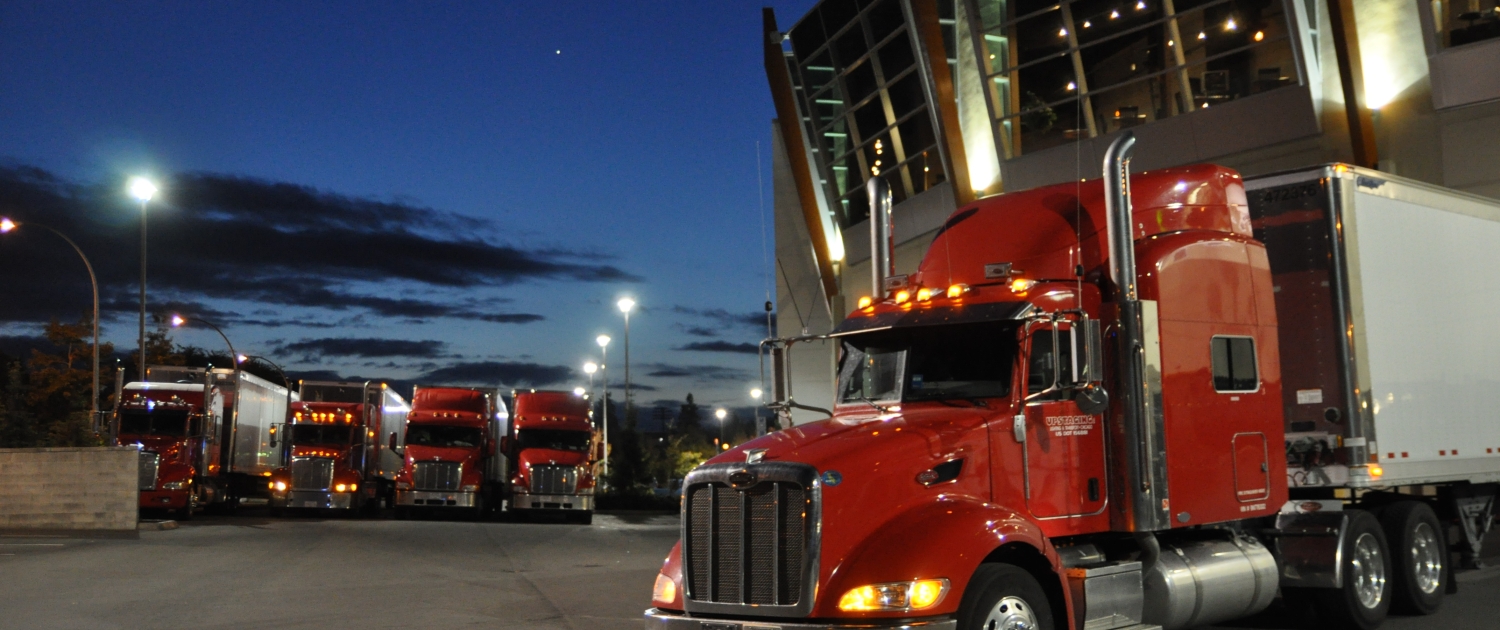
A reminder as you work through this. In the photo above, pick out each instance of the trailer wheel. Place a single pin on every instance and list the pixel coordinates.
(1365, 599)
(186, 513)
(1004, 597)
(1418, 557)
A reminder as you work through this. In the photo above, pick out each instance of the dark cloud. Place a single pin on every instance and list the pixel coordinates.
(698, 331)
(501, 373)
(362, 347)
(700, 373)
(216, 237)
(725, 320)
(722, 346)
(20, 346)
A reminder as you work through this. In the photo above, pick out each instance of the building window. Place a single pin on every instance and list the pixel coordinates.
(1234, 364)
(1060, 72)
(1459, 22)
(863, 105)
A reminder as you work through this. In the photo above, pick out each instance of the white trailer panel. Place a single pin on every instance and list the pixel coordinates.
(1387, 292)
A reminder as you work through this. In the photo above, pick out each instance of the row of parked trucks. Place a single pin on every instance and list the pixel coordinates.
(1156, 401)
(211, 437)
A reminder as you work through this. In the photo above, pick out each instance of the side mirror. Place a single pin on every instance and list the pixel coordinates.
(1088, 352)
(1091, 399)
(273, 436)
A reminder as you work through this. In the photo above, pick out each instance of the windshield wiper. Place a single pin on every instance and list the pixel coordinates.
(871, 403)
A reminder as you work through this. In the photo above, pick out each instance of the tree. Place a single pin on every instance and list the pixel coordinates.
(627, 465)
(58, 387)
(16, 427)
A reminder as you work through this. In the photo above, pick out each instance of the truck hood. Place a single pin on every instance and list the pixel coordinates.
(168, 447)
(535, 456)
(466, 455)
(859, 438)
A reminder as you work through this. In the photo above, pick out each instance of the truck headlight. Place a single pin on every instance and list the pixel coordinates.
(471, 488)
(341, 488)
(913, 595)
(279, 486)
(175, 485)
(665, 591)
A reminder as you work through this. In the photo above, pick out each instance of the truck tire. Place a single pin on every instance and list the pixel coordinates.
(1419, 575)
(1365, 599)
(1004, 596)
(186, 513)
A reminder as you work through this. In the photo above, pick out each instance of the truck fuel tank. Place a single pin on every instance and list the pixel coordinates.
(1197, 583)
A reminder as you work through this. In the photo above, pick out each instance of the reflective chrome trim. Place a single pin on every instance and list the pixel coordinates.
(568, 502)
(789, 472)
(423, 498)
(149, 463)
(317, 499)
(657, 619)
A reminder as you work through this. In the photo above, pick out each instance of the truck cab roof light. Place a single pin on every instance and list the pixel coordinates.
(1021, 285)
(957, 291)
(924, 294)
(903, 296)
(866, 302)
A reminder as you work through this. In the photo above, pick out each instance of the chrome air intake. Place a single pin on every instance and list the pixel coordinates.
(149, 462)
(554, 479)
(750, 539)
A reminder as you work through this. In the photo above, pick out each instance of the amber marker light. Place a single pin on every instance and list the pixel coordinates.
(665, 590)
(903, 297)
(866, 302)
(340, 488)
(924, 294)
(914, 595)
(957, 291)
(1021, 285)
(1376, 472)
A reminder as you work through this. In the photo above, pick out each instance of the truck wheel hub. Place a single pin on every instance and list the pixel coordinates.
(1426, 558)
(1010, 613)
(1368, 571)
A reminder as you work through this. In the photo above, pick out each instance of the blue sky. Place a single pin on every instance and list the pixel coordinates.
(596, 134)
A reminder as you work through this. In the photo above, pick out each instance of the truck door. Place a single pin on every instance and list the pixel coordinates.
(1064, 447)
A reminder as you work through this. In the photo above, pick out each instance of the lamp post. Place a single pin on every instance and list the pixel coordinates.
(720, 413)
(143, 190)
(760, 427)
(626, 305)
(246, 358)
(6, 226)
(178, 320)
(603, 341)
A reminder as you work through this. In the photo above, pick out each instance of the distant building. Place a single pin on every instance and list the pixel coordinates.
(951, 100)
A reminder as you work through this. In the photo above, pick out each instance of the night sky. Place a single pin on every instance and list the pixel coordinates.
(431, 192)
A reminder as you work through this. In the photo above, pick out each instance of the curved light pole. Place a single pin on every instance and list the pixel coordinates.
(178, 320)
(626, 305)
(246, 358)
(7, 226)
(143, 190)
(603, 341)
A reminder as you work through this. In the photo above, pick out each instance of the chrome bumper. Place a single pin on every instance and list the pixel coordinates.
(583, 502)
(315, 499)
(662, 620)
(432, 498)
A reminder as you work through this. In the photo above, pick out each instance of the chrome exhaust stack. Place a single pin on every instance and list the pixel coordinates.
(1142, 444)
(882, 237)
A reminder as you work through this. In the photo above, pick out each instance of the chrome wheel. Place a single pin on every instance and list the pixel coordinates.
(1367, 570)
(1426, 559)
(1010, 613)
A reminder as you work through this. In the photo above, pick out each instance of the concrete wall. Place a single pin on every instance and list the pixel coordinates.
(69, 488)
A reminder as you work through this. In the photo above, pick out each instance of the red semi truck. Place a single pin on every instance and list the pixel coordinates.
(204, 435)
(339, 447)
(452, 456)
(1155, 400)
(555, 454)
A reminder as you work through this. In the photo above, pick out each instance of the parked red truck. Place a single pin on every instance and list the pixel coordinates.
(204, 435)
(336, 449)
(1083, 414)
(555, 453)
(452, 457)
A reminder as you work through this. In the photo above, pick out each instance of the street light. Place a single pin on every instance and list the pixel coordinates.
(720, 413)
(6, 227)
(603, 341)
(246, 358)
(626, 305)
(579, 392)
(178, 320)
(143, 190)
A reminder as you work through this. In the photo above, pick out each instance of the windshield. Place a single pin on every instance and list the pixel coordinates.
(155, 422)
(320, 434)
(453, 437)
(332, 393)
(576, 441)
(929, 363)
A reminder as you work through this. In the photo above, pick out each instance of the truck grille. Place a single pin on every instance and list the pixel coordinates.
(312, 473)
(753, 545)
(436, 475)
(554, 479)
(149, 463)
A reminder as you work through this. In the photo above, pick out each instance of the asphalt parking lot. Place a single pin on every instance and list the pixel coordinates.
(251, 571)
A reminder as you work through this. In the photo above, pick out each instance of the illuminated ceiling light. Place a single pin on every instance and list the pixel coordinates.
(1229, 25)
(1171, 43)
(1140, 6)
(1114, 15)
(1072, 86)
(1062, 32)
(1202, 35)
(1260, 35)
(1087, 24)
